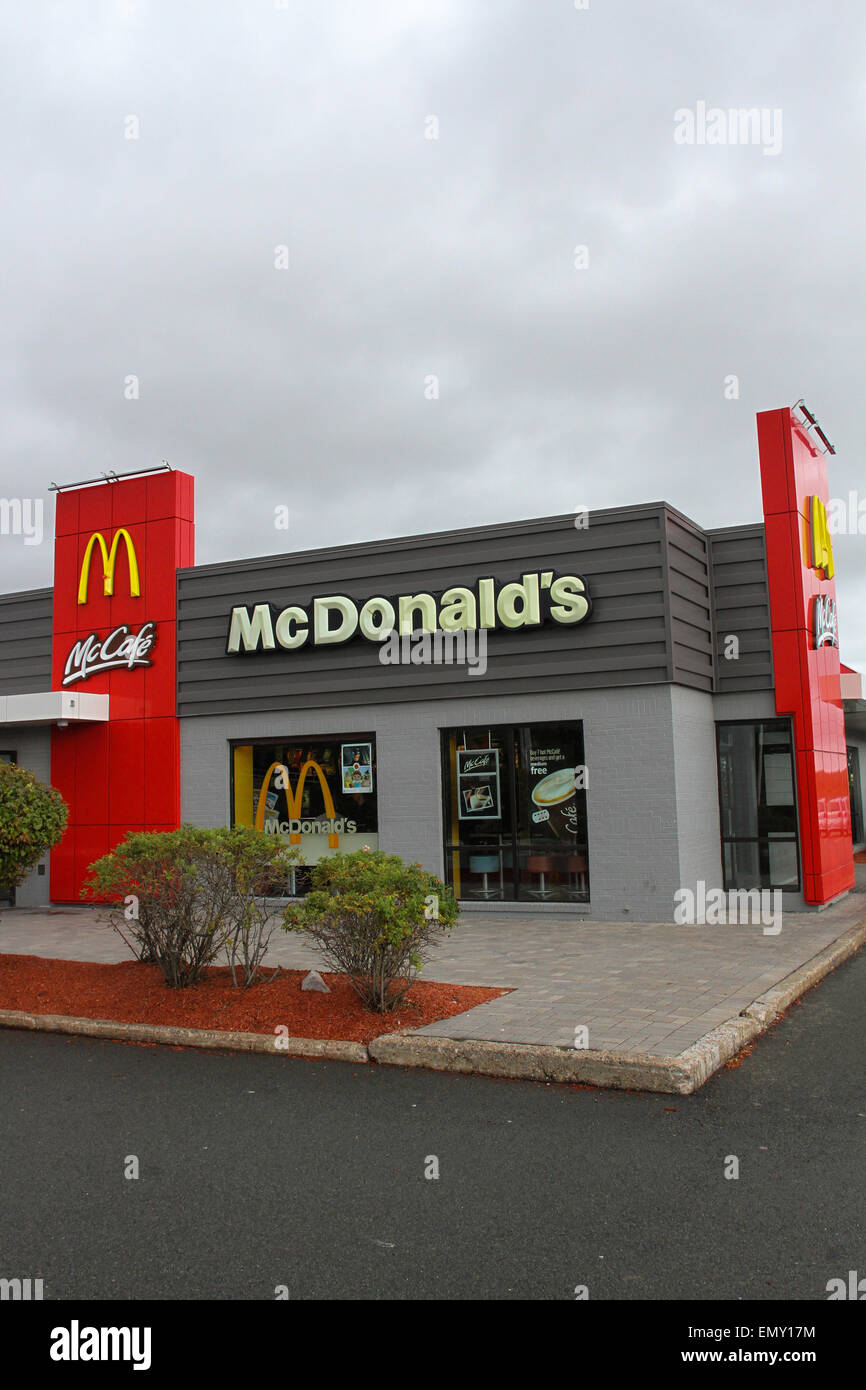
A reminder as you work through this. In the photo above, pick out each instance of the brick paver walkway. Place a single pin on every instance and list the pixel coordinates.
(645, 989)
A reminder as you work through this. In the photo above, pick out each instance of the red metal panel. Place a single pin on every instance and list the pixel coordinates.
(126, 774)
(62, 873)
(783, 560)
(91, 842)
(806, 678)
(159, 693)
(162, 570)
(164, 496)
(91, 773)
(162, 776)
(66, 514)
(129, 502)
(94, 508)
(127, 771)
(124, 694)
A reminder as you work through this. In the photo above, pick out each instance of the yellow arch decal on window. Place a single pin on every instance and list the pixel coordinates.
(294, 799)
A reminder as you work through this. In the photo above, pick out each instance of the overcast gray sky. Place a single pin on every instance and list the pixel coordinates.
(307, 125)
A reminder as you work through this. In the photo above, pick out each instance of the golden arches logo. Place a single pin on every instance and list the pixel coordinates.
(109, 560)
(295, 798)
(821, 548)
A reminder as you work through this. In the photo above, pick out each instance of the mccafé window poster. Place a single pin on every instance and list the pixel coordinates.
(478, 795)
(551, 781)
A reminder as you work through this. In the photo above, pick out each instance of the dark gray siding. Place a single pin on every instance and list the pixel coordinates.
(25, 642)
(621, 554)
(691, 609)
(651, 574)
(742, 608)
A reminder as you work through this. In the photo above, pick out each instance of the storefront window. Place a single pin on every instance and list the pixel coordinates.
(515, 813)
(757, 805)
(318, 794)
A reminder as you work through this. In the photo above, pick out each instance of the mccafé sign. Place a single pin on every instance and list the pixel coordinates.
(536, 598)
(123, 646)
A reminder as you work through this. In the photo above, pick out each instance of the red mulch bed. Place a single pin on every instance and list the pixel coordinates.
(135, 993)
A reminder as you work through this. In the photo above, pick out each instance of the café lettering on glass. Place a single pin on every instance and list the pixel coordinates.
(122, 647)
(536, 598)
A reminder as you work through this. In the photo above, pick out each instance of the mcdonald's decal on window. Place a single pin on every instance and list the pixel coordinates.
(299, 790)
(821, 547)
(294, 826)
(109, 561)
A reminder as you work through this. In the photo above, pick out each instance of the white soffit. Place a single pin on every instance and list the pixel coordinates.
(53, 707)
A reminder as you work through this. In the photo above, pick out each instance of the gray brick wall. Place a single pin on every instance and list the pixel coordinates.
(634, 844)
(697, 795)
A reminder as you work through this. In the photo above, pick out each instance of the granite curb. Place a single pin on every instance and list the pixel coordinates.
(679, 1075)
(168, 1035)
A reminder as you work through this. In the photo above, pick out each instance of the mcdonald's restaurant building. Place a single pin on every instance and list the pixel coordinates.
(583, 714)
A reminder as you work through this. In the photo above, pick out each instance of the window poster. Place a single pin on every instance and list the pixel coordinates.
(478, 793)
(357, 765)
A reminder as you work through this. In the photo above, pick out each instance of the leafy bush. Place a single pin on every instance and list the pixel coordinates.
(189, 894)
(32, 819)
(372, 917)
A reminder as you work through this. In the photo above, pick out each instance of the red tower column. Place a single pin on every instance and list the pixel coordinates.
(807, 681)
(117, 550)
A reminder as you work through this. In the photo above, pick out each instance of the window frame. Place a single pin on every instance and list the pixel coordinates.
(518, 847)
(780, 722)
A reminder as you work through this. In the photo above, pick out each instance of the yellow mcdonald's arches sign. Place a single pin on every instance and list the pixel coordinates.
(821, 547)
(295, 798)
(109, 560)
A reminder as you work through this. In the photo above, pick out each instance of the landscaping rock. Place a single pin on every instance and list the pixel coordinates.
(315, 981)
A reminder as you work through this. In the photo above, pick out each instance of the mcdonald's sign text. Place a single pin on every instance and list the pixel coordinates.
(329, 826)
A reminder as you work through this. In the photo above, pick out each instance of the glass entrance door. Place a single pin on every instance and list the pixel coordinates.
(515, 813)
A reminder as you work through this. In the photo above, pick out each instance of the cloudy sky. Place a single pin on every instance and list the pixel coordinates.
(430, 167)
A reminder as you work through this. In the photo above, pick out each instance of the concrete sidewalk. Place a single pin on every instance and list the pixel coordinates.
(639, 990)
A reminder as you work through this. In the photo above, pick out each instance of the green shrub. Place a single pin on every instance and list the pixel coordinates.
(372, 917)
(189, 894)
(32, 820)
